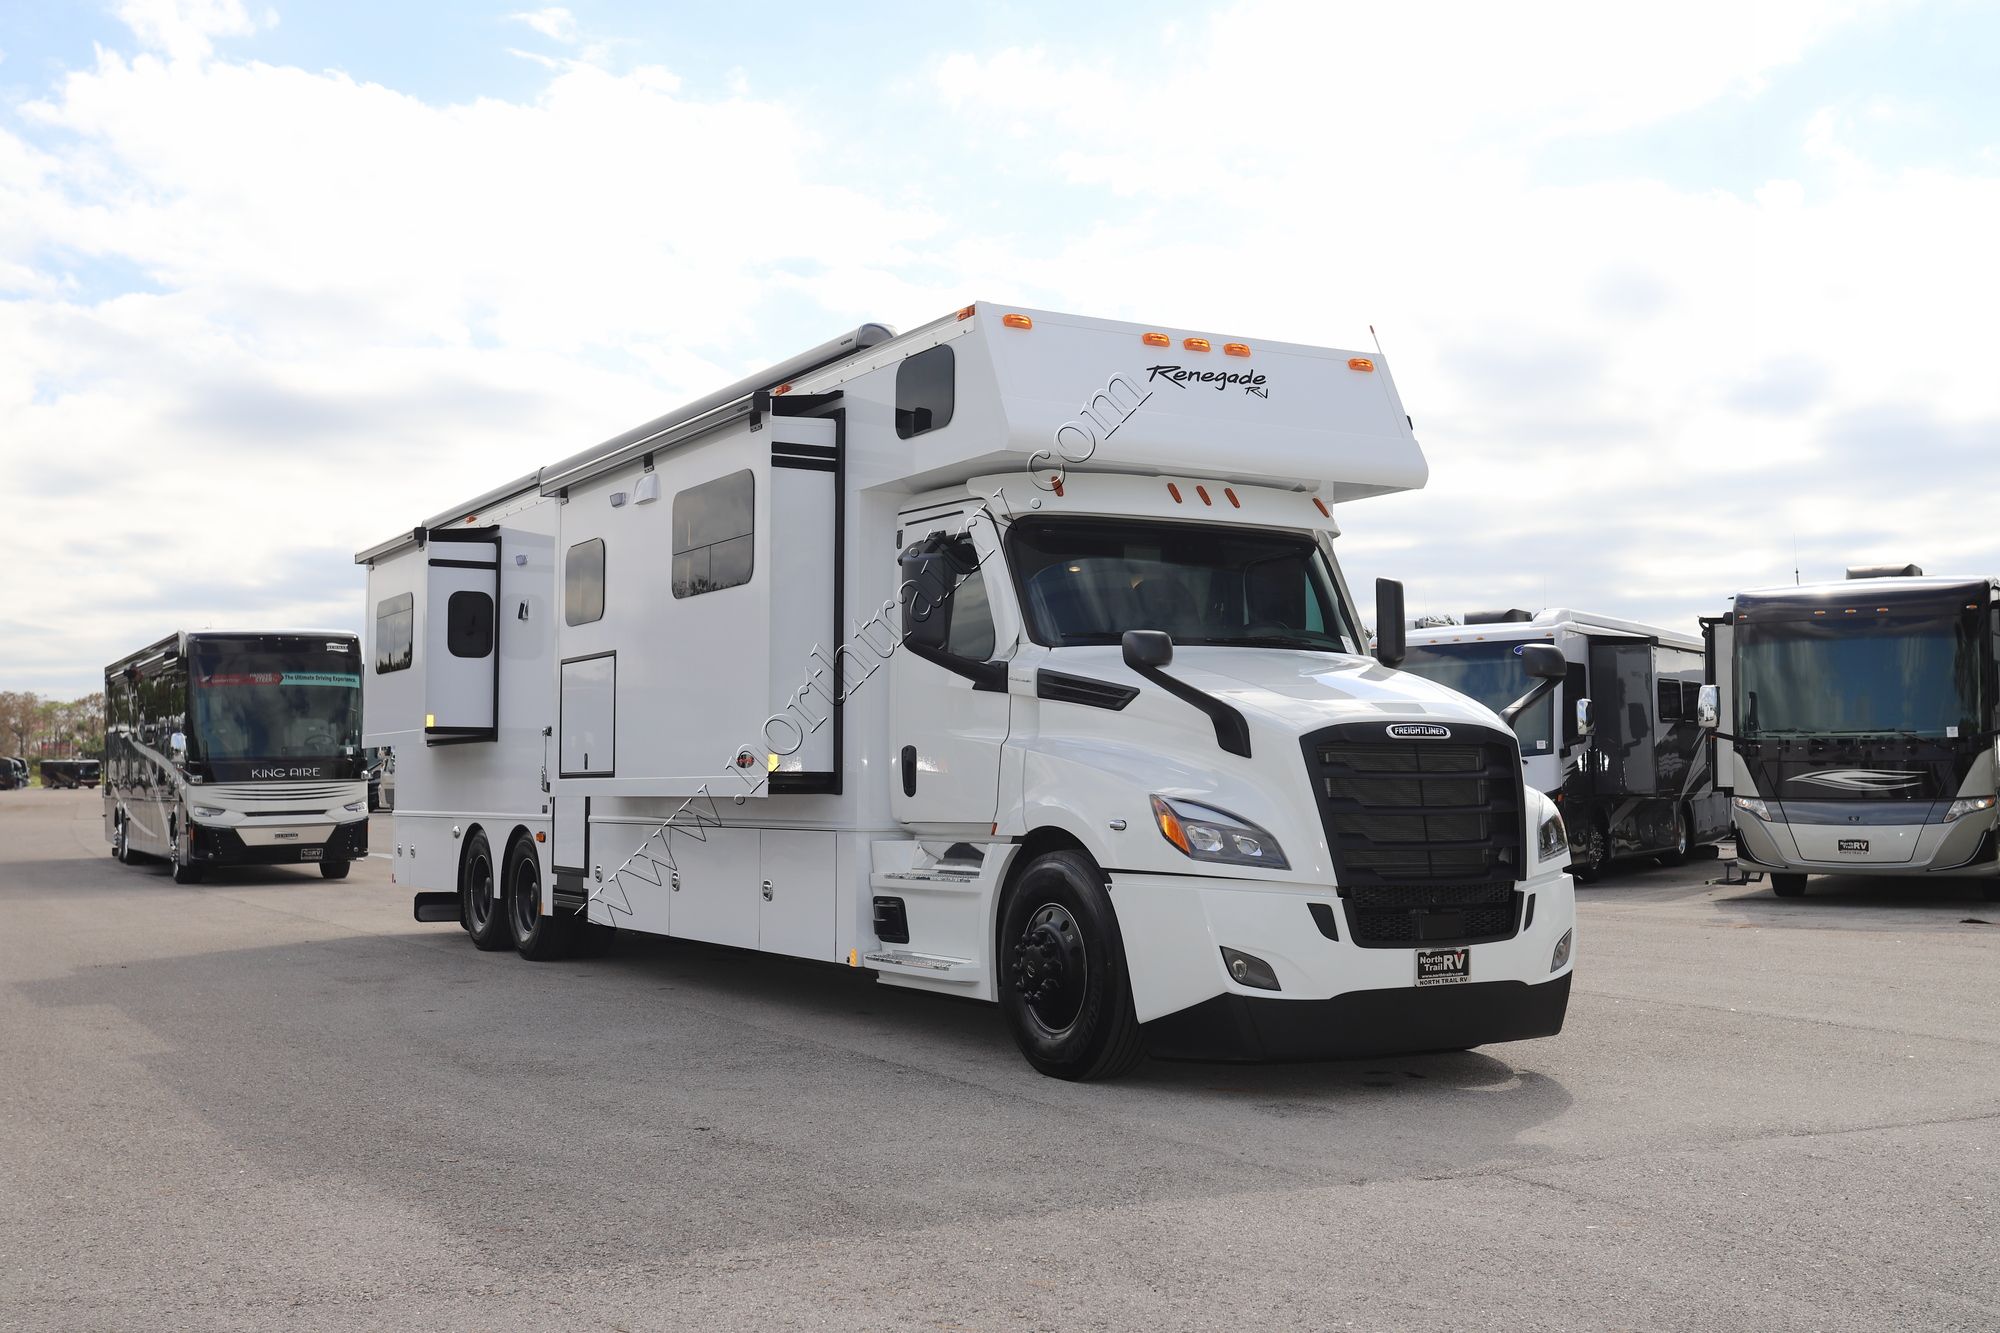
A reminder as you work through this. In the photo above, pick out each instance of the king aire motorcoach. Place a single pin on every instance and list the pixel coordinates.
(230, 748)
(1858, 725)
(990, 660)
(1617, 745)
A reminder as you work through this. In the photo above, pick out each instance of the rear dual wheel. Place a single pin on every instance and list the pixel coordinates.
(478, 908)
(538, 935)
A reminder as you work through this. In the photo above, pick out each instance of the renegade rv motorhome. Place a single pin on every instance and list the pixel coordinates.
(1859, 720)
(1618, 746)
(1008, 658)
(226, 749)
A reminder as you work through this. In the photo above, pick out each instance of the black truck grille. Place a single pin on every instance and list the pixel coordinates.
(1425, 833)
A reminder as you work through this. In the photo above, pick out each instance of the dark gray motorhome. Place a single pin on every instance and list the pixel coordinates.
(1857, 726)
(1617, 745)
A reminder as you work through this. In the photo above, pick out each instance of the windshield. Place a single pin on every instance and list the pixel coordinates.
(1492, 674)
(1087, 581)
(265, 699)
(1885, 674)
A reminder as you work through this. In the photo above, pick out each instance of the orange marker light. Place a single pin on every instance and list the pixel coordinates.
(1156, 340)
(1360, 363)
(1055, 484)
(1174, 491)
(1170, 825)
(541, 837)
(966, 313)
(1017, 321)
(1236, 349)
(1202, 491)
(782, 388)
(1195, 344)
(1324, 511)
(1230, 491)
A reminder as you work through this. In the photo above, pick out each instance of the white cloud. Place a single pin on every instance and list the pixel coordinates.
(556, 23)
(185, 29)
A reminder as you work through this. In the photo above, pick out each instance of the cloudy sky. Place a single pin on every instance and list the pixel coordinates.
(1680, 297)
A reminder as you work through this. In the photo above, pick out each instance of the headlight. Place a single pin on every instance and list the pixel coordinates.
(205, 811)
(1754, 806)
(1966, 805)
(1216, 835)
(1553, 839)
(356, 805)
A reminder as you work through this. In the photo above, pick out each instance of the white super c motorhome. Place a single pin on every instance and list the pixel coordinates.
(1007, 658)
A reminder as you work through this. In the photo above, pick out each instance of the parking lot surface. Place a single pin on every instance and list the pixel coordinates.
(272, 1099)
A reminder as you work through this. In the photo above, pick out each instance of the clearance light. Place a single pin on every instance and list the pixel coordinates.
(1017, 321)
(1170, 825)
(1156, 340)
(430, 719)
(1174, 491)
(1324, 511)
(1234, 503)
(967, 312)
(1055, 484)
(1360, 363)
(1236, 349)
(782, 388)
(541, 837)
(1195, 344)
(1202, 491)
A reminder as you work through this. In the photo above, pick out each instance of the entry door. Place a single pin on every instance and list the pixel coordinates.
(948, 719)
(1621, 681)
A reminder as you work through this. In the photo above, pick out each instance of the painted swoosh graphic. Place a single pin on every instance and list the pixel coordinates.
(1862, 779)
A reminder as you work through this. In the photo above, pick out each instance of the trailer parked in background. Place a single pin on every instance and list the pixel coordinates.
(1618, 745)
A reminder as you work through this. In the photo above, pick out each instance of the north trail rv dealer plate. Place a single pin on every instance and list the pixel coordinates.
(1443, 967)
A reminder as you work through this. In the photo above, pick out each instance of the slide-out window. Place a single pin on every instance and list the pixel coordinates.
(714, 526)
(395, 624)
(468, 624)
(925, 392)
(583, 583)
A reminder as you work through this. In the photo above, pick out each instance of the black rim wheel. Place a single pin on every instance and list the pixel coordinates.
(1050, 969)
(479, 891)
(524, 897)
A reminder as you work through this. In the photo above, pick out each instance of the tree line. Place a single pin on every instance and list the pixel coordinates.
(35, 728)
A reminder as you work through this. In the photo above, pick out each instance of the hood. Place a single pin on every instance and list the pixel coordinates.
(1299, 691)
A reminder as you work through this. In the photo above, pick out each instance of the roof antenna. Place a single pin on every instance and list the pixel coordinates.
(1378, 341)
(1795, 557)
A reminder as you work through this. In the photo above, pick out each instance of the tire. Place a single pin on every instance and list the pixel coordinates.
(1683, 839)
(189, 872)
(1056, 922)
(333, 869)
(1788, 886)
(485, 919)
(118, 850)
(538, 937)
(1586, 863)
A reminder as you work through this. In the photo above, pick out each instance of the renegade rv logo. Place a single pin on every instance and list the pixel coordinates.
(1181, 377)
(1861, 779)
(1419, 731)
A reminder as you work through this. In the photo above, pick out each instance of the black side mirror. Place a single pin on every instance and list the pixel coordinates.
(1147, 648)
(1391, 641)
(1544, 661)
(932, 570)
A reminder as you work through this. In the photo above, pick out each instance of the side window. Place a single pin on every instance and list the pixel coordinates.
(468, 624)
(1670, 701)
(583, 583)
(395, 621)
(971, 633)
(925, 391)
(714, 533)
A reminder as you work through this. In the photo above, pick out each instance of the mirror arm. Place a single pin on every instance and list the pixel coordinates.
(1232, 733)
(1521, 705)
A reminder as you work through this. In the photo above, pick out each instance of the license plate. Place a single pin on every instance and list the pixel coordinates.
(1854, 844)
(311, 853)
(1443, 967)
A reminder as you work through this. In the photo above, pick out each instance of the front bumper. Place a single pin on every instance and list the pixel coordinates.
(1361, 1023)
(1964, 848)
(212, 844)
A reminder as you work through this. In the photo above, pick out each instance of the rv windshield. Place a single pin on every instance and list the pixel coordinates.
(1890, 673)
(1492, 674)
(1086, 581)
(275, 699)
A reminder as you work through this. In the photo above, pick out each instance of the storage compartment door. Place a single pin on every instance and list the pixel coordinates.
(461, 657)
(1621, 678)
(797, 894)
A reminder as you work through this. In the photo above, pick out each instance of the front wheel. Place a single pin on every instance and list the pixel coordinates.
(189, 872)
(1682, 840)
(1063, 981)
(1590, 855)
(1788, 886)
(333, 869)
(118, 850)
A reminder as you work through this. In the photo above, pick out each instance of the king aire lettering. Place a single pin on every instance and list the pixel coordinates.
(1181, 377)
(284, 773)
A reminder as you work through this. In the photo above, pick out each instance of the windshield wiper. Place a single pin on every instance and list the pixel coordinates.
(1276, 641)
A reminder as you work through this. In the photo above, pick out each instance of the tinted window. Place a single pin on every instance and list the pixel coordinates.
(1670, 701)
(971, 634)
(395, 620)
(924, 392)
(583, 583)
(468, 624)
(713, 532)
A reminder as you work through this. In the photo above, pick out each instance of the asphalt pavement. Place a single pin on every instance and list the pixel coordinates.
(273, 1100)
